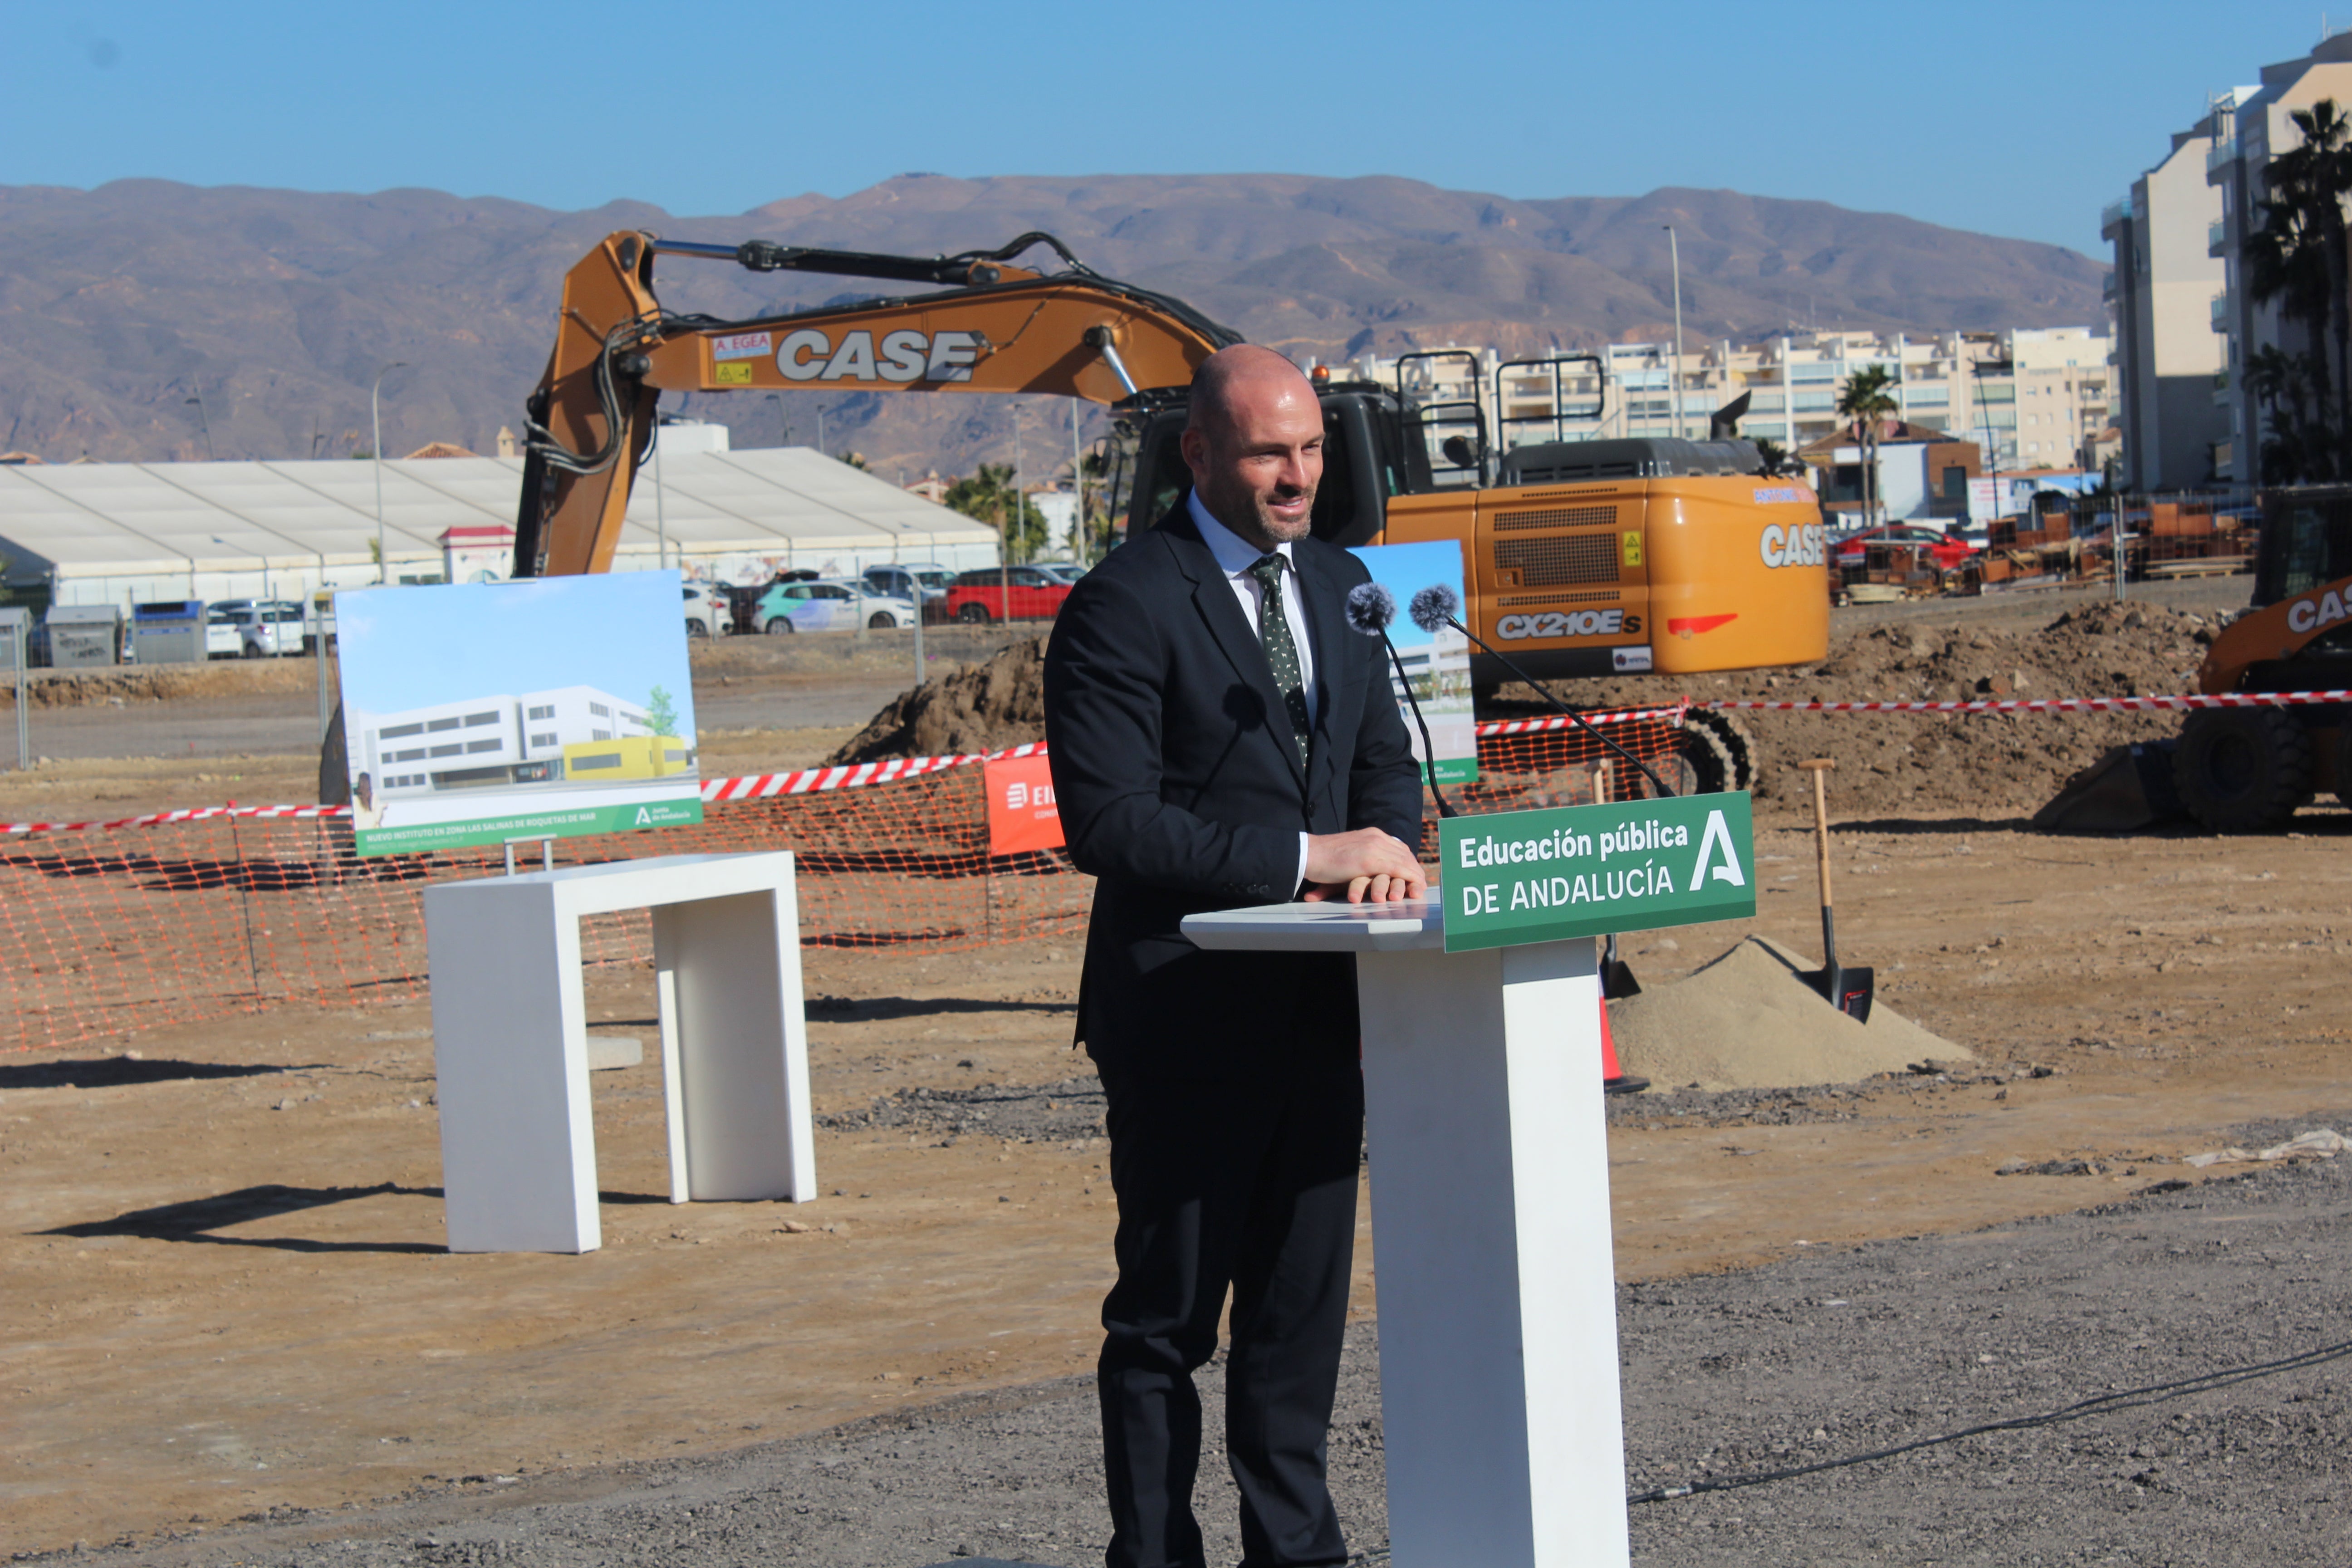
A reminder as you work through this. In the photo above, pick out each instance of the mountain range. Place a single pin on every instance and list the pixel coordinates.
(121, 307)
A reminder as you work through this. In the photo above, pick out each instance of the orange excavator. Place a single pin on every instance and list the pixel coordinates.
(1582, 558)
(2246, 770)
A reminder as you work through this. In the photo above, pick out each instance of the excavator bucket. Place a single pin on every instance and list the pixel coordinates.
(2127, 789)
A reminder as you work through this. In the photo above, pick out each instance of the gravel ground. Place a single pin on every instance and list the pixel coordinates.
(1818, 1358)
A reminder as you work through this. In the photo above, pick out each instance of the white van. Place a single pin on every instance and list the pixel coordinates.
(253, 629)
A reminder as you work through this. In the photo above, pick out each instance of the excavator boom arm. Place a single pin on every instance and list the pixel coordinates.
(996, 328)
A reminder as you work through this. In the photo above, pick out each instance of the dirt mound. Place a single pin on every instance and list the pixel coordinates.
(1746, 1021)
(123, 684)
(981, 707)
(1994, 765)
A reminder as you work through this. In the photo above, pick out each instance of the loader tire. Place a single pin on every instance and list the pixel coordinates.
(2242, 770)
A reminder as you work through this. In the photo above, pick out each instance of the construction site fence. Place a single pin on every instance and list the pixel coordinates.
(108, 929)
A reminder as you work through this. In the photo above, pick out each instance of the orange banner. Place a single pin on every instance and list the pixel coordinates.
(1021, 814)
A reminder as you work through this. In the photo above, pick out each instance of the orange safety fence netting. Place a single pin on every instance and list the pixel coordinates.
(106, 928)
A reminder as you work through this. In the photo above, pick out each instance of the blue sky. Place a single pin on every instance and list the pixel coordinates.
(413, 647)
(2005, 117)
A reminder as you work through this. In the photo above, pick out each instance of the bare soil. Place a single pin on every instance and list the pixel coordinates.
(225, 1258)
(224, 1252)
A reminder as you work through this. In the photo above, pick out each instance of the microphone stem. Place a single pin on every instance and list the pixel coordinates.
(1591, 729)
(1428, 750)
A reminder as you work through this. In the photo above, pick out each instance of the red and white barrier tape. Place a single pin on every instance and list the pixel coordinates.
(758, 787)
(2045, 704)
(762, 786)
(193, 814)
(1560, 721)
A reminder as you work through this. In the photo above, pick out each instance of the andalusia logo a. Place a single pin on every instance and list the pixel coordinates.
(1717, 837)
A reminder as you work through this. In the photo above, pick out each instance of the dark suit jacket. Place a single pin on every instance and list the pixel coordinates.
(1180, 790)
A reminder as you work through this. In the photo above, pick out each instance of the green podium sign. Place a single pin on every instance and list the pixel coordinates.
(1585, 871)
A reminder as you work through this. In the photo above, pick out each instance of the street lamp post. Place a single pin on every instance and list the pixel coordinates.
(375, 420)
(1674, 249)
(661, 510)
(203, 421)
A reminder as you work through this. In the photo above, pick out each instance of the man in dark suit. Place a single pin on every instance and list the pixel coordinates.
(1219, 737)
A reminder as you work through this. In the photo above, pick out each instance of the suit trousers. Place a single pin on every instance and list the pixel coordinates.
(1249, 1186)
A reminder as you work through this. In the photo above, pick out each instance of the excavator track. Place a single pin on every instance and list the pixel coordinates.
(1721, 751)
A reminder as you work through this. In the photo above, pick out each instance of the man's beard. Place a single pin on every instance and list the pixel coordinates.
(1246, 507)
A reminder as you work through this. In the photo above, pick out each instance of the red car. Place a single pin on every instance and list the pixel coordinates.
(1948, 554)
(979, 597)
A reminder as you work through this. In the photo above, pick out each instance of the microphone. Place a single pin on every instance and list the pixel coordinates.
(1435, 607)
(1371, 608)
(1438, 606)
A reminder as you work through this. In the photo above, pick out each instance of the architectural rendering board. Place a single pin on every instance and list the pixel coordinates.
(480, 712)
(1436, 663)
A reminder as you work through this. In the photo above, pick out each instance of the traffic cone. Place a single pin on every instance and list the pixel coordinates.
(1614, 1078)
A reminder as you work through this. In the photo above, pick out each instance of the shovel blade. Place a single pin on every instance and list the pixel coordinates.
(1847, 990)
(1617, 981)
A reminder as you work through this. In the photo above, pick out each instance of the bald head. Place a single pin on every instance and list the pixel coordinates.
(1254, 440)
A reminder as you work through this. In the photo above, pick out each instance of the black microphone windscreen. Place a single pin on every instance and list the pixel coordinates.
(1433, 607)
(1371, 608)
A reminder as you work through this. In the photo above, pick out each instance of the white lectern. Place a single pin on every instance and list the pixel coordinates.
(510, 1041)
(1491, 1234)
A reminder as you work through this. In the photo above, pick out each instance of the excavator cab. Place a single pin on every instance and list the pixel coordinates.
(1362, 466)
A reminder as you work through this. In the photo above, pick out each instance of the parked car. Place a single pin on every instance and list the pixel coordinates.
(1003, 594)
(1948, 554)
(708, 612)
(927, 578)
(1066, 571)
(223, 638)
(828, 606)
(270, 628)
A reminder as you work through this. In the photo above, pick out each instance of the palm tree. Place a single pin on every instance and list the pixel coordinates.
(1866, 402)
(1777, 459)
(988, 495)
(2298, 253)
(2280, 385)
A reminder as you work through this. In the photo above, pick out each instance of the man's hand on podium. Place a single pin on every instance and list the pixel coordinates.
(1367, 866)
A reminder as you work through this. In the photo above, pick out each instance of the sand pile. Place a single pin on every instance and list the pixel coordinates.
(983, 707)
(1997, 766)
(1746, 1021)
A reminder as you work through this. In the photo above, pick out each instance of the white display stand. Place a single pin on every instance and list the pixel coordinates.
(510, 1042)
(1491, 1234)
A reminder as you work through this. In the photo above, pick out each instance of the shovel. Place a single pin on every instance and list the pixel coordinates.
(1617, 981)
(1848, 990)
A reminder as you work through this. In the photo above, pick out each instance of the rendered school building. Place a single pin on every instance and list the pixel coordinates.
(570, 734)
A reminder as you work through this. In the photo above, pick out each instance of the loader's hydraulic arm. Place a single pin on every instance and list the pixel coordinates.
(992, 327)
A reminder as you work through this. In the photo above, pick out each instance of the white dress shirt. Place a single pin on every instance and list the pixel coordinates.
(1235, 556)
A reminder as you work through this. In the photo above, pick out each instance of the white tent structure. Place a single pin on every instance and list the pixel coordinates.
(123, 533)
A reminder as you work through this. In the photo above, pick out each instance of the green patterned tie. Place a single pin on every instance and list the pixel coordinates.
(1281, 653)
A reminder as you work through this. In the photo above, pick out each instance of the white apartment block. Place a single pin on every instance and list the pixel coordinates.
(2031, 398)
(2251, 127)
(2171, 358)
(486, 741)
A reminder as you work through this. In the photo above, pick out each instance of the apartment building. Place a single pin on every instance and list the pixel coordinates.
(2251, 127)
(2171, 358)
(2029, 398)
